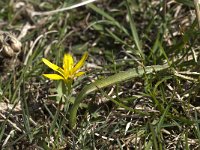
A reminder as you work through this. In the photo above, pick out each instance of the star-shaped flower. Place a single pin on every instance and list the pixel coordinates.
(69, 69)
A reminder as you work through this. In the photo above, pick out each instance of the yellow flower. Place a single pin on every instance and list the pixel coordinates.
(69, 70)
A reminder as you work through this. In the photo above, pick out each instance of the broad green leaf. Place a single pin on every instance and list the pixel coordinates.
(111, 80)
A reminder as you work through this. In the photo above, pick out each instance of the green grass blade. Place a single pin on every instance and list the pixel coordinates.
(26, 116)
(186, 2)
(116, 78)
(107, 16)
(120, 104)
(159, 127)
(197, 126)
(55, 119)
(116, 37)
(153, 137)
(134, 31)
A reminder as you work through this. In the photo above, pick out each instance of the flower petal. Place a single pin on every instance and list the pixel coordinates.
(68, 62)
(80, 63)
(53, 76)
(79, 74)
(53, 66)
